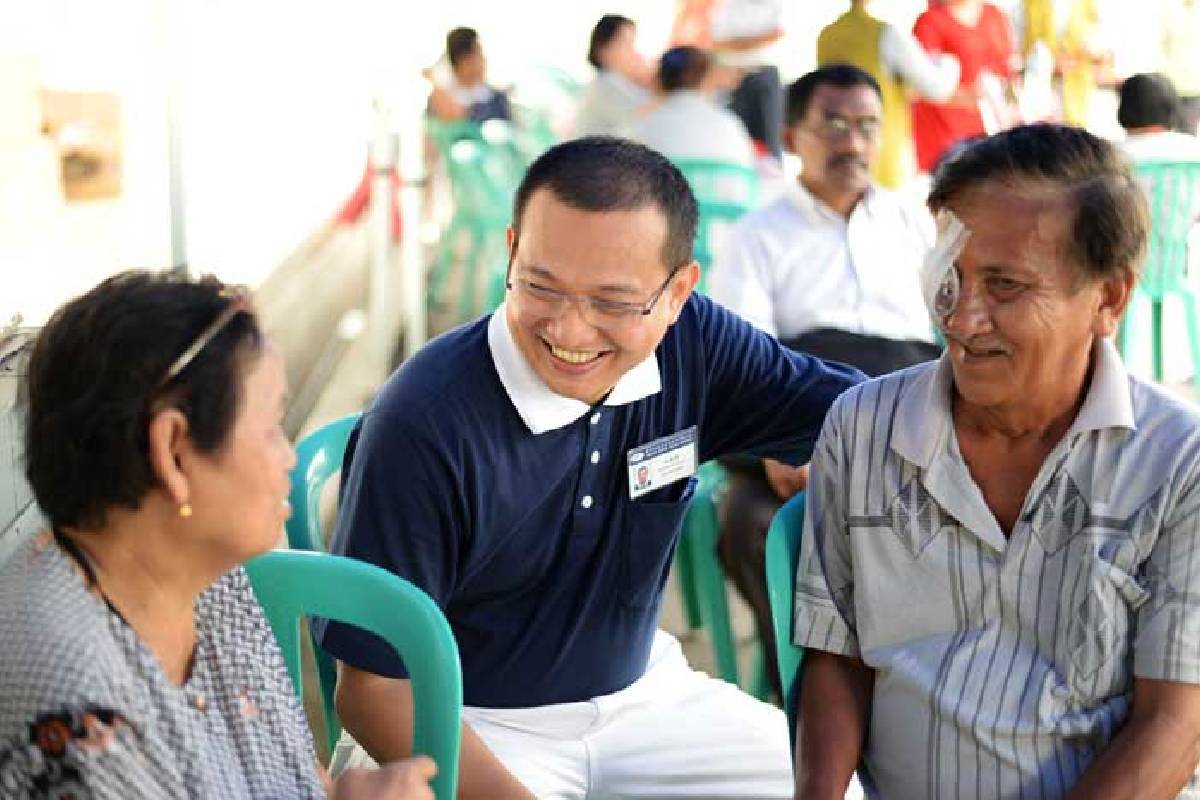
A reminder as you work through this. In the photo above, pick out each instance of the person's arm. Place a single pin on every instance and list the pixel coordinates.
(443, 106)
(835, 710)
(934, 77)
(739, 44)
(378, 713)
(1157, 750)
(836, 686)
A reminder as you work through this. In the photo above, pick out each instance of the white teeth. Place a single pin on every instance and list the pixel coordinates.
(573, 356)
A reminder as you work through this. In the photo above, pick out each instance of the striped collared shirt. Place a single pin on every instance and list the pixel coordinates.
(1003, 665)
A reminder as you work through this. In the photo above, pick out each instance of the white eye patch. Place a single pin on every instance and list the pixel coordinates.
(940, 284)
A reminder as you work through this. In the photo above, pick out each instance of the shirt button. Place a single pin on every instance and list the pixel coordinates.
(586, 502)
(199, 702)
(595, 456)
(596, 418)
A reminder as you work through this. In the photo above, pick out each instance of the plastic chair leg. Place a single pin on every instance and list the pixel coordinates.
(1193, 325)
(685, 576)
(1156, 342)
(710, 582)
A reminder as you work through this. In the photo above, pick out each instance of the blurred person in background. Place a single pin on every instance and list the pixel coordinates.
(688, 124)
(1181, 58)
(466, 95)
(745, 35)
(979, 36)
(1148, 110)
(897, 62)
(1068, 29)
(623, 82)
(831, 269)
(136, 660)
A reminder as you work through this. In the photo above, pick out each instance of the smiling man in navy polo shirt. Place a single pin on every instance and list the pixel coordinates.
(531, 471)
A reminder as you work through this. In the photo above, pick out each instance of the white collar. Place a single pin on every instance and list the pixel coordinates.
(809, 204)
(925, 412)
(540, 407)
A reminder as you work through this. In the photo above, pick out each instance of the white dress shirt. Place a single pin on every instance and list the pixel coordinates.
(609, 105)
(796, 266)
(1148, 148)
(689, 125)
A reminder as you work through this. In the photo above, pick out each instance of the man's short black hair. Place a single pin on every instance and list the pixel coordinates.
(607, 29)
(1148, 99)
(96, 378)
(603, 173)
(460, 43)
(682, 68)
(843, 76)
(1108, 235)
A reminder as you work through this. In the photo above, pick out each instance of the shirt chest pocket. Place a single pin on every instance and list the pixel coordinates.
(650, 531)
(1099, 640)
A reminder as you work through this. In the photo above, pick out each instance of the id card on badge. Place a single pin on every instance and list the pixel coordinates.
(655, 464)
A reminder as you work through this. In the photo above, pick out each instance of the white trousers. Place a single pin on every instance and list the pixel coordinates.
(674, 733)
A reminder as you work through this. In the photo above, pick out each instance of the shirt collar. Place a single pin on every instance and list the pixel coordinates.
(809, 204)
(541, 408)
(924, 412)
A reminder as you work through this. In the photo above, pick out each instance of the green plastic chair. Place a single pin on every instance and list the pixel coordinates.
(318, 457)
(701, 581)
(724, 192)
(291, 584)
(783, 555)
(1174, 203)
(485, 166)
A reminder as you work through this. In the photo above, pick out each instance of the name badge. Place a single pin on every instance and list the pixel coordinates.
(655, 464)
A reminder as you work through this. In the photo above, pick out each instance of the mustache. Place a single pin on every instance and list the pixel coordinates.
(848, 159)
(973, 343)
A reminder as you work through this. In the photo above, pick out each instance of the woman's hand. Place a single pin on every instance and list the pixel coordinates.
(400, 780)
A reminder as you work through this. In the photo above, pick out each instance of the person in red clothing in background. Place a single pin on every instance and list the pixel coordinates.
(980, 36)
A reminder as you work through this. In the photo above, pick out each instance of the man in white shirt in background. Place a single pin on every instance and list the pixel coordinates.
(1148, 109)
(830, 268)
(687, 124)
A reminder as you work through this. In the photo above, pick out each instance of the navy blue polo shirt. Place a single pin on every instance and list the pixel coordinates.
(549, 574)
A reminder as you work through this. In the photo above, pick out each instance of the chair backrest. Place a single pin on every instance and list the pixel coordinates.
(318, 456)
(724, 192)
(783, 554)
(1174, 203)
(292, 584)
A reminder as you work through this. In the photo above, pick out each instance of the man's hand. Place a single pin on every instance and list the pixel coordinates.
(399, 780)
(785, 480)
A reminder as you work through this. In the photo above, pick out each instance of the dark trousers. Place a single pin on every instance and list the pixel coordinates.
(750, 503)
(758, 103)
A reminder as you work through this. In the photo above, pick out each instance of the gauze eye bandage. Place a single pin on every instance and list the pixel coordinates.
(939, 279)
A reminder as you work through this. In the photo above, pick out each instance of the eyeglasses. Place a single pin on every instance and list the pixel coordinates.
(239, 303)
(596, 311)
(835, 128)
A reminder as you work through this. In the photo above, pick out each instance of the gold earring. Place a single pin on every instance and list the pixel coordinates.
(185, 510)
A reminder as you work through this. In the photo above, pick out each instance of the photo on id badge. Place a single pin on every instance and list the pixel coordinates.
(661, 462)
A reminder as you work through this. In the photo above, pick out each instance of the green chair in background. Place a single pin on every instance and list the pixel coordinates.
(291, 584)
(724, 192)
(484, 165)
(318, 457)
(783, 554)
(1174, 203)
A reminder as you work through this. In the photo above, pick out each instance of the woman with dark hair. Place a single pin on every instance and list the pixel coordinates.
(623, 79)
(137, 662)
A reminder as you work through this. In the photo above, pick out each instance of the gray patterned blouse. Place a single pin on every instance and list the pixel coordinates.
(86, 710)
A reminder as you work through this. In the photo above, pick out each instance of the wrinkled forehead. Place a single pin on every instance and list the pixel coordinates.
(1016, 223)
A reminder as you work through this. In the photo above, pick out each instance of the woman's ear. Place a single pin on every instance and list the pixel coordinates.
(169, 448)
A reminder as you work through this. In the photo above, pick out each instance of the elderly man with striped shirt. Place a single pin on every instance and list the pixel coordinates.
(1000, 584)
